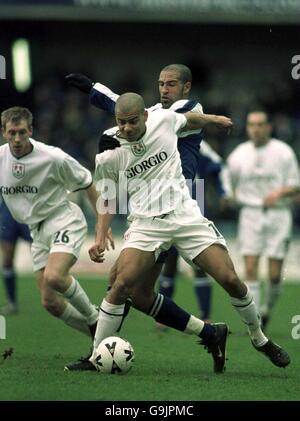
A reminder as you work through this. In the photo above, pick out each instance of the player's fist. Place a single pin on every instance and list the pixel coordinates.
(271, 199)
(96, 253)
(223, 122)
(79, 81)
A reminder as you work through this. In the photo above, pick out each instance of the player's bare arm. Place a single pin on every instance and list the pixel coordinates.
(272, 198)
(199, 121)
(92, 196)
(103, 236)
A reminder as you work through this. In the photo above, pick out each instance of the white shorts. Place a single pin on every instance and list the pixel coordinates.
(189, 231)
(264, 232)
(62, 232)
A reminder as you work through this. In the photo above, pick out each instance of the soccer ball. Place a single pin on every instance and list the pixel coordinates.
(114, 355)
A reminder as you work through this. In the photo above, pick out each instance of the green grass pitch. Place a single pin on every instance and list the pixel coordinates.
(169, 366)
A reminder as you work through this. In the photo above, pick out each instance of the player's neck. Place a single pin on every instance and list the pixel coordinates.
(261, 143)
(27, 151)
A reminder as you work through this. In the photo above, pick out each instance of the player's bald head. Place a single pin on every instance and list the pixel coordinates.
(131, 116)
(130, 103)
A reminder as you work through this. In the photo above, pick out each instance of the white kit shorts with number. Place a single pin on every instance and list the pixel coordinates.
(64, 231)
(188, 230)
(264, 232)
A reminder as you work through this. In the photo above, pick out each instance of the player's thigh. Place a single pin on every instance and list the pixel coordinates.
(24, 233)
(132, 264)
(275, 269)
(113, 273)
(251, 267)
(170, 266)
(8, 238)
(278, 233)
(215, 261)
(8, 252)
(50, 299)
(59, 265)
(251, 235)
(147, 283)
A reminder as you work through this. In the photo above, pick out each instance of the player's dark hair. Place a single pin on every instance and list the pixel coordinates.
(185, 74)
(107, 142)
(16, 114)
(262, 111)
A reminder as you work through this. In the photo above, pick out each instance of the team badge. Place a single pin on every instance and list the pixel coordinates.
(18, 170)
(138, 149)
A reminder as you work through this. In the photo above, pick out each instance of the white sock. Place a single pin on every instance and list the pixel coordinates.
(254, 287)
(249, 314)
(73, 318)
(194, 326)
(78, 298)
(109, 320)
(272, 294)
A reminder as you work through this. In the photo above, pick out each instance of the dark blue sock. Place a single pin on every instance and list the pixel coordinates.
(167, 285)
(203, 290)
(166, 312)
(207, 332)
(10, 284)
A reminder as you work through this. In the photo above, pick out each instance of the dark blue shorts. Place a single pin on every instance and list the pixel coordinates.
(11, 230)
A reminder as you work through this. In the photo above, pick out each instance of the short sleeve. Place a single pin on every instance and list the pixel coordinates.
(178, 121)
(74, 176)
(292, 176)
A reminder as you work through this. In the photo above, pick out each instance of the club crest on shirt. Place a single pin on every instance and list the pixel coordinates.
(18, 170)
(138, 149)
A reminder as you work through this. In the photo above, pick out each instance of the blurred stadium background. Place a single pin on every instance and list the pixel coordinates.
(240, 54)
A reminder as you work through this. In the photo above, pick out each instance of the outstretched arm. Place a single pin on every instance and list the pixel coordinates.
(199, 121)
(100, 95)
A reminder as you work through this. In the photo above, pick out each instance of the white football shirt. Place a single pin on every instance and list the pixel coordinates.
(253, 172)
(149, 169)
(36, 184)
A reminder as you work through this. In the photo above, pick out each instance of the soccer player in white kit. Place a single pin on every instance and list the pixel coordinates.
(34, 180)
(148, 166)
(261, 175)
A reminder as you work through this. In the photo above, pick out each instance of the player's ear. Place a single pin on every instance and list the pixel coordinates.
(146, 115)
(187, 87)
(3, 132)
(30, 129)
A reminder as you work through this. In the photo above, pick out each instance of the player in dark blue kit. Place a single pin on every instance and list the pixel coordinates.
(175, 82)
(10, 232)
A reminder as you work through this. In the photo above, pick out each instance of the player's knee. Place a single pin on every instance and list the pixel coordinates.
(124, 283)
(142, 301)
(53, 280)
(7, 262)
(275, 280)
(123, 286)
(51, 305)
(231, 282)
(251, 272)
